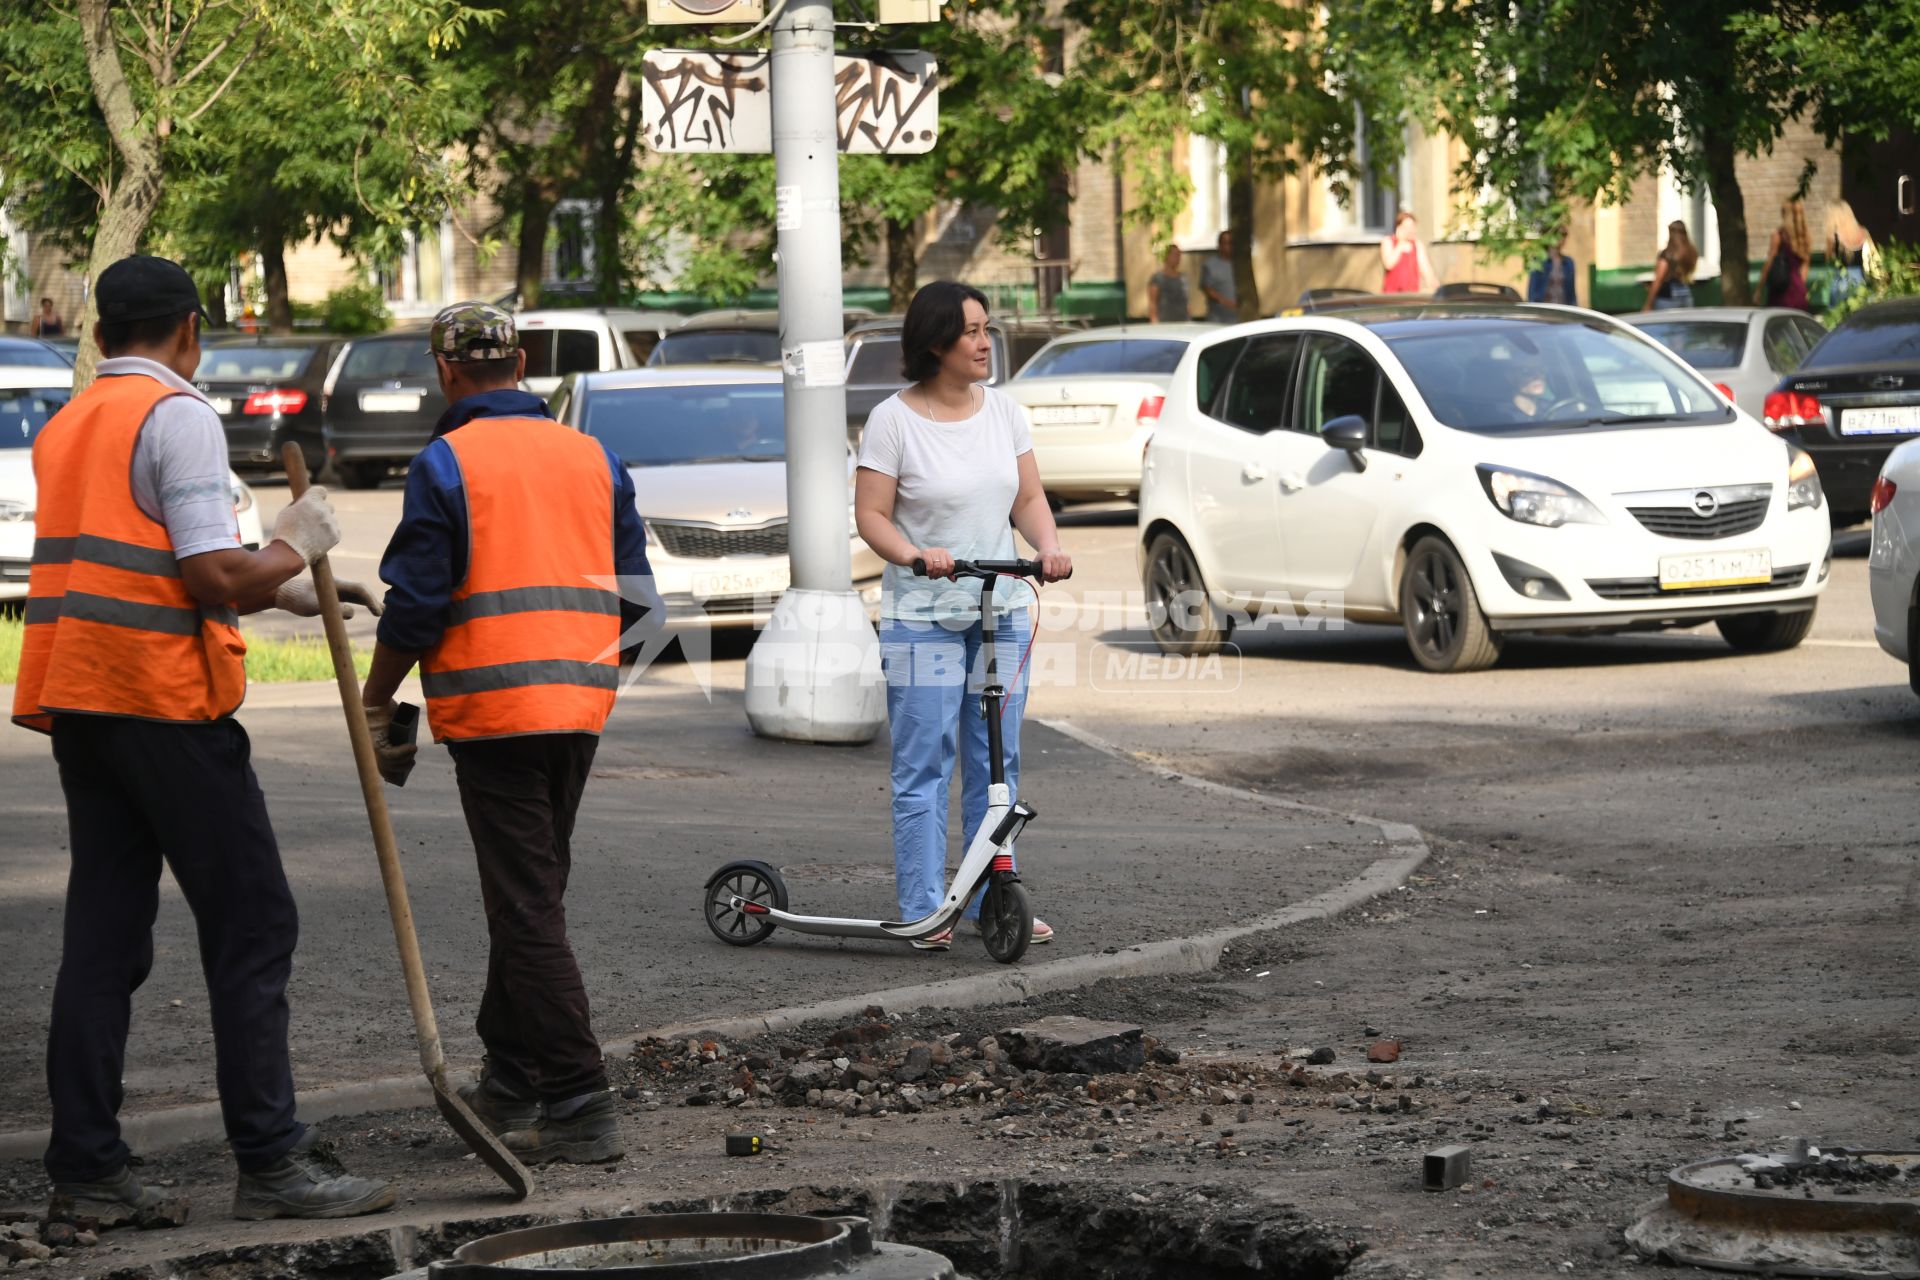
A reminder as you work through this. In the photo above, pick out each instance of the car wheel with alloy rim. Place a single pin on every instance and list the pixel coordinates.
(1446, 629)
(1180, 610)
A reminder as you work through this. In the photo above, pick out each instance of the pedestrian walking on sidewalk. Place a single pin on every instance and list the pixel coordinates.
(1672, 285)
(1784, 278)
(501, 580)
(1167, 291)
(132, 661)
(1217, 283)
(946, 471)
(1404, 258)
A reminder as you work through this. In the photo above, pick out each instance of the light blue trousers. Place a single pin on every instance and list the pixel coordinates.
(934, 677)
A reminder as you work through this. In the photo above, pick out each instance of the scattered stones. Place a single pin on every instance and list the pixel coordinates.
(1320, 1057)
(1384, 1051)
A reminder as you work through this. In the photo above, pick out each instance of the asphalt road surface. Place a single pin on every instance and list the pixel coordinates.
(1648, 752)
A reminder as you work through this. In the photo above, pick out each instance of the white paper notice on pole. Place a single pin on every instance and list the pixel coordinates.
(825, 363)
(786, 208)
(694, 100)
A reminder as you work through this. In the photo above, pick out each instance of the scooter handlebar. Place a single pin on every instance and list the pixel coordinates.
(986, 568)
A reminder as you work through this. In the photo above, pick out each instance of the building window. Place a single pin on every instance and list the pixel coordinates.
(422, 275)
(1207, 209)
(573, 227)
(1372, 199)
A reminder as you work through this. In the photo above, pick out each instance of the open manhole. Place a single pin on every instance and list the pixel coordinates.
(693, 1246)
(1838, 1212)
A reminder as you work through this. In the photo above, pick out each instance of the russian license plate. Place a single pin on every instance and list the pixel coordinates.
(1053, 415)
(1895, 420)
(1715, 569)
(750, 582)
(222, 405)
(389, 401)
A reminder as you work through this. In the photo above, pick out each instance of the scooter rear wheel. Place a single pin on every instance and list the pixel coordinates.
(754, 881)
(1006, 921)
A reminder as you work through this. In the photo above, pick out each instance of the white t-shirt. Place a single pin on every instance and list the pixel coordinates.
(957, 482)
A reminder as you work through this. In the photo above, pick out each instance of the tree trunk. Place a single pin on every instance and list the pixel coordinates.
(903, 262)
(273, 267)
(536, 209)
(609, 260)
(1246, 286)
(213, 296)
(136, 193)
(1730, 209)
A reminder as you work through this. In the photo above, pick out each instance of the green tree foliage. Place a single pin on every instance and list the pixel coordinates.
(1565, 100)
(111, 98)
(1250, 74)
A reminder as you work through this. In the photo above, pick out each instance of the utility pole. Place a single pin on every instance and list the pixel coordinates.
(814, 673)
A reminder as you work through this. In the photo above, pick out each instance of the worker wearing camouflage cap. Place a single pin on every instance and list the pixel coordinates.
(513, 530)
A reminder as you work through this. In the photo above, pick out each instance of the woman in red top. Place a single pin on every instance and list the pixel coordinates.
(1404, 257)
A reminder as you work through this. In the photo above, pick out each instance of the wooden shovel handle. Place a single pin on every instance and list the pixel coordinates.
(373, 789)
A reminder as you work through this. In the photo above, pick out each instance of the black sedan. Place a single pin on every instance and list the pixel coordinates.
(383, 400)
(267, 392)
(1855, 396)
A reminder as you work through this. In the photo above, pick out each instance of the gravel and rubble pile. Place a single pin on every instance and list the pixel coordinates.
(878, 1065)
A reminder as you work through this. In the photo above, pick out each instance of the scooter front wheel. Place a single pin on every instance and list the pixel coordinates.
(1006, 920)
(753, 881)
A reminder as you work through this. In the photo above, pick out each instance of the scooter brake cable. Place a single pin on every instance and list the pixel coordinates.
(1033, 634)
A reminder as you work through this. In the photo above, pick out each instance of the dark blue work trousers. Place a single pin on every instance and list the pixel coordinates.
(140, 793)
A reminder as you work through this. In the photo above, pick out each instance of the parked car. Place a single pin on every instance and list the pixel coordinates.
(1854, 397)
(1092, 400)
(731, 335)
(1744, 350)
(707, 448)
(267, 391)
(1893, 563)
(382, 400)
(32, 353)
(873, 359)
(587, 339)
(29, 398)
(1470, 471)
(1315, 302)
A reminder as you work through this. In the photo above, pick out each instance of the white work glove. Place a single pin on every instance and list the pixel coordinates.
(308, 526)
(297, 596)
(396, 759)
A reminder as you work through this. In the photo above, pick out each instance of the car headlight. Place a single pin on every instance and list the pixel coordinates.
(1803, 481)
(242, 499)
(1533, 499)
(15, 512)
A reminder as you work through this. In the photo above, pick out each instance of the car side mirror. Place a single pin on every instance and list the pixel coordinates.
(1348, 432)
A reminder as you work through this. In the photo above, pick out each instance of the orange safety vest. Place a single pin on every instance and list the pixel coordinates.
(532, 643)
(110, 626)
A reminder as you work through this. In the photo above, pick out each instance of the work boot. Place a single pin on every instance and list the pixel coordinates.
(109, 1202)
(582, 1130)
(308, 1182)
(500, 1107)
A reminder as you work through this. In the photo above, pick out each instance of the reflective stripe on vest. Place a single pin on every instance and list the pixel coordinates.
(110, 626)
(532, 643)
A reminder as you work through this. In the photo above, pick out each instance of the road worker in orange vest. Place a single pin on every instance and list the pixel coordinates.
(509, 583)
(132, 661)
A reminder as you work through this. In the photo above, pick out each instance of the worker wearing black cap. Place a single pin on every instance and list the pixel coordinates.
(132, 662)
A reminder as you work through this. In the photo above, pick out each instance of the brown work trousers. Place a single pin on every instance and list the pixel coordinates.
(520, 796)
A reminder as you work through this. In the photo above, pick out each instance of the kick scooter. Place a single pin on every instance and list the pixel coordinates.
(747, 900)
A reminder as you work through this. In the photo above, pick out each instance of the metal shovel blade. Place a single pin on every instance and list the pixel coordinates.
(481, 1140)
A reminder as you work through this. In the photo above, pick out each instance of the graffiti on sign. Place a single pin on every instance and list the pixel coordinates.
(694, 101)
(882, 103)
(885, 104)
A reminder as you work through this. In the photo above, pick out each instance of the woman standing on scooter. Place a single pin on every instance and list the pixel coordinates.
(944, 465)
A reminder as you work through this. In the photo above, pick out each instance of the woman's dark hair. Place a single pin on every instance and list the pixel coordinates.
(936, 318)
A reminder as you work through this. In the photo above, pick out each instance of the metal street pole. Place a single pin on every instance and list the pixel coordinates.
(813, 674)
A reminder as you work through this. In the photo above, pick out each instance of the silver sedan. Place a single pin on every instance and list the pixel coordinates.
(707, 449)
(1746, 350)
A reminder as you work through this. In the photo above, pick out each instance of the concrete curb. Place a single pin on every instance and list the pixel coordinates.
(1197, 954)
